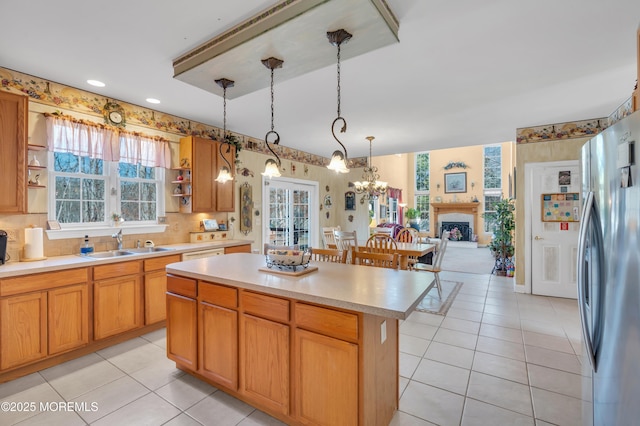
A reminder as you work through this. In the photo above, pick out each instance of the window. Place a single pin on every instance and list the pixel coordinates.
(492, 184)
(422, 189)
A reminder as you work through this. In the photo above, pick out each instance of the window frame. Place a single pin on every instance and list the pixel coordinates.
(422, 192)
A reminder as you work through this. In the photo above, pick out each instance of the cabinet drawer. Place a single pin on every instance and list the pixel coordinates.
(116, 269)
(245, 248)
(268, 307)
(38, 282)
(160, 262)
(218, 294)
(341, 325)
(182, 286)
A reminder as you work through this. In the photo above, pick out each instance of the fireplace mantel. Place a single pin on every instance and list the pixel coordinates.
(464, 208)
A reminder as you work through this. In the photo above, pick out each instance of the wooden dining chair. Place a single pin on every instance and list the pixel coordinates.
(328, 238)
(437, 261)
(345, 240)
(328, 255)
(381, 243)
(380, 260)
(405, 236)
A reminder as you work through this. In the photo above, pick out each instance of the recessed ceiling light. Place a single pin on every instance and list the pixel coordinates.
(153, 101)
(96, 83)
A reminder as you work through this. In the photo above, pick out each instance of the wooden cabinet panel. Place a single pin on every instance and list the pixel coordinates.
(218, 294)
(13, 152)
(225, 191)
(117, 305)
(245, 248)
(115, 270)
(23, 329)
(265, 367)
(202, 175)
(157, 263)
(182, 326)
(68, 318)
(326, 380)
(182, 286)
(155, 299)
(265, 306)
(342, 325)
(39, 282)
(218, 344)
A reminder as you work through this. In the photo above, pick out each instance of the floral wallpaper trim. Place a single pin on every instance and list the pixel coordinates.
(58, 95)
(560, 131)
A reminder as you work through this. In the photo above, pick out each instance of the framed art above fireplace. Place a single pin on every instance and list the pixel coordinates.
(455, 182)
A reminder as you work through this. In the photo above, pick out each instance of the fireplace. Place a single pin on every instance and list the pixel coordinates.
(463, 227)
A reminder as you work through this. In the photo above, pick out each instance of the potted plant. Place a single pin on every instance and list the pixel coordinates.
(501, 245)
(413, 215)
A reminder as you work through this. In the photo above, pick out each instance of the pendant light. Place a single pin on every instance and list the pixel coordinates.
(371, 187)
(225, 171)
(271, 166)
(338, 158)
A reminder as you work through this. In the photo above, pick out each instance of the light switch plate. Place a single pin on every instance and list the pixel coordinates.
(383, 331)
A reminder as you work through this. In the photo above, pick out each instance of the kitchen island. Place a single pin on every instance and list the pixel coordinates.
(318, 348)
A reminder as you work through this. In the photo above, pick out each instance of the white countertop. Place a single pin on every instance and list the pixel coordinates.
(57, 263)
(378, 291)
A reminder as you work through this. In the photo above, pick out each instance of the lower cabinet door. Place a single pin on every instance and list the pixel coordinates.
(117, 306)
(23, 329)
(326, 380)
(182, 330)
(218, 343)
(265, 367)
(68, 314)
(155, 289)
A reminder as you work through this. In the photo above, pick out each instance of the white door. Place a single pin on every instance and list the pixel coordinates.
(289, 207)
(554, 210)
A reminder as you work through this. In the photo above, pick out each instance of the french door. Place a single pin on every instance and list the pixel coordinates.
(290, 212)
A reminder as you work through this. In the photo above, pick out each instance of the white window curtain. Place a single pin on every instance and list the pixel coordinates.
(65, 134)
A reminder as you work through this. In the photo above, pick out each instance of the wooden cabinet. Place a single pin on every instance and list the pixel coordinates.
(265, 351)
(23, 329)
(182, 321)
(68, 318)
(13, 152)
(155, 288)
(245, 248)
(117, 302)
(218, 333)
(204, 159)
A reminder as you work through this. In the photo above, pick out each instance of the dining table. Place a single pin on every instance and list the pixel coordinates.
(405, 251)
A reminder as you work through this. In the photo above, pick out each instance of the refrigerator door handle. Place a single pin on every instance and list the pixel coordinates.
(587, 217)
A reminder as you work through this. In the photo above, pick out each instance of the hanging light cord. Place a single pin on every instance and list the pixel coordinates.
(339, 118)
(266, 137)
(224, 125)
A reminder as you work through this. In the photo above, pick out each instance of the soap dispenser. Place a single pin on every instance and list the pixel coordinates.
(86, 247)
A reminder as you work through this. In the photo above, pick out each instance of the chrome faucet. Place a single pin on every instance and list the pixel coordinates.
(118, 237)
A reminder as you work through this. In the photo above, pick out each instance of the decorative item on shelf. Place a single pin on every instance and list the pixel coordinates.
(117, 219)
(178, 190)
(35, 180)
(339, 158)
(271, 166)
(34, 161)
(370, 187)
(184, 163)
(246, 206)
(455, 164)
(225, 171)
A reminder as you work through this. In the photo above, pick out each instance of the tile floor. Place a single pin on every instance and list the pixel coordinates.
(497, 358)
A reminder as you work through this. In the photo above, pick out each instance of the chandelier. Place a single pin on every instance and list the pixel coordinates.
(371, 187)
(225, 171)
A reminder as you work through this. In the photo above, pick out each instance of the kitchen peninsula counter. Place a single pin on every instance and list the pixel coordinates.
(319, 348)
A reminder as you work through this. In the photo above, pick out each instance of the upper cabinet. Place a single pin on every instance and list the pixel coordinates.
(13, 151)
(202, 157)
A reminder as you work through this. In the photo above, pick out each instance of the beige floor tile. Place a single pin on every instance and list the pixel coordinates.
(403, 382)
(461, 325)
(473, 298)
(110, 397)
(509, 311)
(20, 385)
(413, 345)
(401, 418)
(133, 355)
(426, 318)
(443, 376)
(432, 404)
(226, 409)
(477, 413)
(501, 320)
(66, 418)
(150, 410)
(408, 364)
(449, 354)
(568, 384)
(502, 333)
(185, 391)
(501, 348)
(503, 393)
(464, 314)
(259, 418)
(456, 338)
(553, 359)
(158, 373)
(182, 420)
(32, 397)
(543, 327)
(557, 409)
(82, 375)
(505, 368)
(415, 329)
(470, 306)
(158, 337)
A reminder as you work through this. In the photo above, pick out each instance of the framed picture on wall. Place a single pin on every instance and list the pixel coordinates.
(350, 200)
(455, 182)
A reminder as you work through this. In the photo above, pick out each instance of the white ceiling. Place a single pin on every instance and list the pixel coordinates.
(465, 72)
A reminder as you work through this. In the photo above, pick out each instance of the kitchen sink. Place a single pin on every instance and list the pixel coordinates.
(110, 254)
(147, 250)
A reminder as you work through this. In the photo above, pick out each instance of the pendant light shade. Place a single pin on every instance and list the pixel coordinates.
(339, 158)
(224, 175)
(271, 166)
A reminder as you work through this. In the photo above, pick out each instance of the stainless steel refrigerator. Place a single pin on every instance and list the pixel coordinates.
(609, 275)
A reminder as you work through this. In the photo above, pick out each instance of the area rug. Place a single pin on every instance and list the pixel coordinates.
(432, 304)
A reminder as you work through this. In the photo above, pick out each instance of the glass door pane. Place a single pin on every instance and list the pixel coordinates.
(290, 219)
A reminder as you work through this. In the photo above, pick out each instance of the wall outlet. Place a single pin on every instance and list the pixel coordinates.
(383, 331)
(12, 235)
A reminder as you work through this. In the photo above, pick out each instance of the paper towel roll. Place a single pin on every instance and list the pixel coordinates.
(33, 243)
